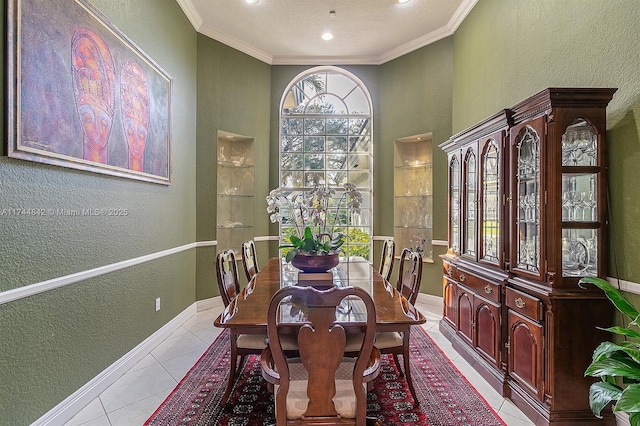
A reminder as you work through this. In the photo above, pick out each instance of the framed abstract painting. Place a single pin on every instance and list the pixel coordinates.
(82, 95)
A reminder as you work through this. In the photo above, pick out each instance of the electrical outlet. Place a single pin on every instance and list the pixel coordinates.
(157, 304)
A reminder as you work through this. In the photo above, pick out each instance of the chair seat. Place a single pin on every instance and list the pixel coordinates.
(251, 341)
(344, 400)
(388, 339)
(257, 341)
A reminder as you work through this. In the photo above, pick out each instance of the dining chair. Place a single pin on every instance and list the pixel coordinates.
(321, 384)
(241, 344)
(410, 274)
(394, 342)
(249, 259)
(387, 258)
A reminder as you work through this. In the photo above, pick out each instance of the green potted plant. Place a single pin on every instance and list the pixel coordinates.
(315, 214)
(617, 364)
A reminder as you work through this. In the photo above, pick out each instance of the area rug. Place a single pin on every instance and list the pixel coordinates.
(446, 397)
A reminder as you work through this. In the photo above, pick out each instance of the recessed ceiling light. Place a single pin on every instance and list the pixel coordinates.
(327, 36)
(251, 1)
(399, 1)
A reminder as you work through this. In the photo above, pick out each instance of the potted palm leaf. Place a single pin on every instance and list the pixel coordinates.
(617, 364)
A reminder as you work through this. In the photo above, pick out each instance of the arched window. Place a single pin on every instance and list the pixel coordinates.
(326, 140)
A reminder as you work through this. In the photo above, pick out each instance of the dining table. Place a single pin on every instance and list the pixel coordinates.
(247, 312)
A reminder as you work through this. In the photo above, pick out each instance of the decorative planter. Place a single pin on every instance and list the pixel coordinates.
(315, 262)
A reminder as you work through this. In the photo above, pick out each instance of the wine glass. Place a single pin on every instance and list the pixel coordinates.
(566, 150)
(583, 146)
(591, 148)
(524, 206)
(590, 202)
(568, 204)
(578, 204)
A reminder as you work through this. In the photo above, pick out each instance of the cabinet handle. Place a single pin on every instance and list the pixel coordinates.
(462, 277)
(488, 289)
(520, 303)
(450, 271)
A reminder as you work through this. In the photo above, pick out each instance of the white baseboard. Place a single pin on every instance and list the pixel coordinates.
(74, 403)
(211, 303)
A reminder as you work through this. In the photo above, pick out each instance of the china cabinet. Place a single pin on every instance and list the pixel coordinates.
(474, 275)
(235, 190)
(413, 194)
(527, 209)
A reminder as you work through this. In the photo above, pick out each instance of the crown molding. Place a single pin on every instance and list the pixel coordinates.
(235, 43)
(192, 14)
(416, 44)
(460, 14)
(326, 60)
(451, 27)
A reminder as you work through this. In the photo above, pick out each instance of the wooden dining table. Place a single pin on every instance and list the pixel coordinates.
(247, 313)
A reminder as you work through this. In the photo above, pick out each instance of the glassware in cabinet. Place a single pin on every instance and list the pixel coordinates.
(413, 199)
(491, 203)
(469, 202)
(235, 183)
(527, 198)
(581, 200)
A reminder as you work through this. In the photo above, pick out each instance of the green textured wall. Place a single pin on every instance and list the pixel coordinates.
(233, 96)
(415, 98)
(52, 343)
(505, 51)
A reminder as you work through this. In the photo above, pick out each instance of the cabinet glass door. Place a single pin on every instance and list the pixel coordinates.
(454, 214)
(527, 197)
(580, 221)
(470, 181)
(490, 225)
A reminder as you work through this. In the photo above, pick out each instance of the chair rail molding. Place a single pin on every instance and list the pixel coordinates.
(41, 287)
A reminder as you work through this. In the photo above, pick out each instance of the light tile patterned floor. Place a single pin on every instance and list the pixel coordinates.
(137, 394)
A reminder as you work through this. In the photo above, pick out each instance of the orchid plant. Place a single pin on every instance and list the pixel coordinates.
(315, 214)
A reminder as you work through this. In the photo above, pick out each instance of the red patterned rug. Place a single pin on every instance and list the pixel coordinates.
(446, 397)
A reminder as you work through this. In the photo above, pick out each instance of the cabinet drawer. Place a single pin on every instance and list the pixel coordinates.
(523, 303)
(487, 289)
(450, 271)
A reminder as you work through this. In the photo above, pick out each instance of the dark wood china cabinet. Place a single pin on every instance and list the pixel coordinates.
(527, 209)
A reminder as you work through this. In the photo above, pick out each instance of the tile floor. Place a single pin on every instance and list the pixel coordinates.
(137, 394)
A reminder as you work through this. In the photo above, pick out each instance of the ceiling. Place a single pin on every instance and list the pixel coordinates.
(288, 32)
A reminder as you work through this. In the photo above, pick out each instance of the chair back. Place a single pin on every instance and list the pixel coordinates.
(249, 259)
(227, 273)
(321, 344)
(410, 274)
(387, 258)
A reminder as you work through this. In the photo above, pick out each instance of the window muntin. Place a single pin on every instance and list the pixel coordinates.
(325, 139)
